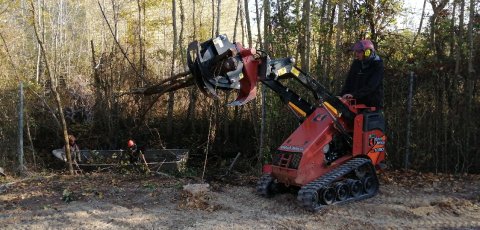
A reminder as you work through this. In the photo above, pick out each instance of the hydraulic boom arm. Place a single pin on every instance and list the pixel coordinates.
(220, 64)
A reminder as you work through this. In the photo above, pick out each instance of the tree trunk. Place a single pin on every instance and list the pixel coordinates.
(116, 12)
(225, 108)
(194, 20)
(242, 23)
(321, 41)
(21, 166)
(328, 59)
(247, 20)
(409, 123)
(144, 33)
(171, 95)
(140, 42)
(421, 23)
(452, 32)
(239, 109)
(308, 34)
(219, 3)
(266, 25)
(370, 6)
(259, 18)
(338, 39)
(213, 18)
(459, 45)
(236, 21)
(41, 24)
(439, 54)
(30, 140)
(305, 51)
(193, 91)
(55, 93)
(180, 38)
(285, 52)
(469, 138)
(299, 50)
(266, 30)
(440, 116)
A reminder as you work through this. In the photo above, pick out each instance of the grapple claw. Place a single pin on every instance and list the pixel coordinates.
(220, 64)
(194, 59)
(248, 84)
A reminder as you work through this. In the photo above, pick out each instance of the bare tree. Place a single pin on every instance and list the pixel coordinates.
(141, 37)
(321, 41)
(266, 25)
(194, 20)
(193, 90)
(266, 31)
(237, 18)
(330, 12)
(247, 20)
(452, 31)
(437, 7)
(219, 4)
(469, 88)
(181, 35)
(338, 36)
(421, 23)
(41, 24)
(213, 18)
(242, 23)
(259, 18)
(370, 5)
(458, 48)
(305, 37)
(171, 95)
(54, 91)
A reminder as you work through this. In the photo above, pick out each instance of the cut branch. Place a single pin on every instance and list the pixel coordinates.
(176, 82)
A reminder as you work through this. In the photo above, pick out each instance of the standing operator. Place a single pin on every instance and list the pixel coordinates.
(364, 82)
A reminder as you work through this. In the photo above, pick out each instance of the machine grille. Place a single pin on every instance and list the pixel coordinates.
(287, 159)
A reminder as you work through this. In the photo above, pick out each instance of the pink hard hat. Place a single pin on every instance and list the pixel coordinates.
(363, 45)
(130, 143)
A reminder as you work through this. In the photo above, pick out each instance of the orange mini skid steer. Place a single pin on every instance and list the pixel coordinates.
(332, 157)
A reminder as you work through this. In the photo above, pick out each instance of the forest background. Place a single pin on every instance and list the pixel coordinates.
(102, 70)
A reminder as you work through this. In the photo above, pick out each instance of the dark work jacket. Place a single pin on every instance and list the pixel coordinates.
(134, 152)
(365, 82)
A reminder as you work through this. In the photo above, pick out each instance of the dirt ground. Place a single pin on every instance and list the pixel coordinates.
(407, 200)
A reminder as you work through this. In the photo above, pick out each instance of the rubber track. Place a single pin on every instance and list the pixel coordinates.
(263, 185)
(307, 194)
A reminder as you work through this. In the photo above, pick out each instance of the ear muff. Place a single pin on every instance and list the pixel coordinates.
(367, 53)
